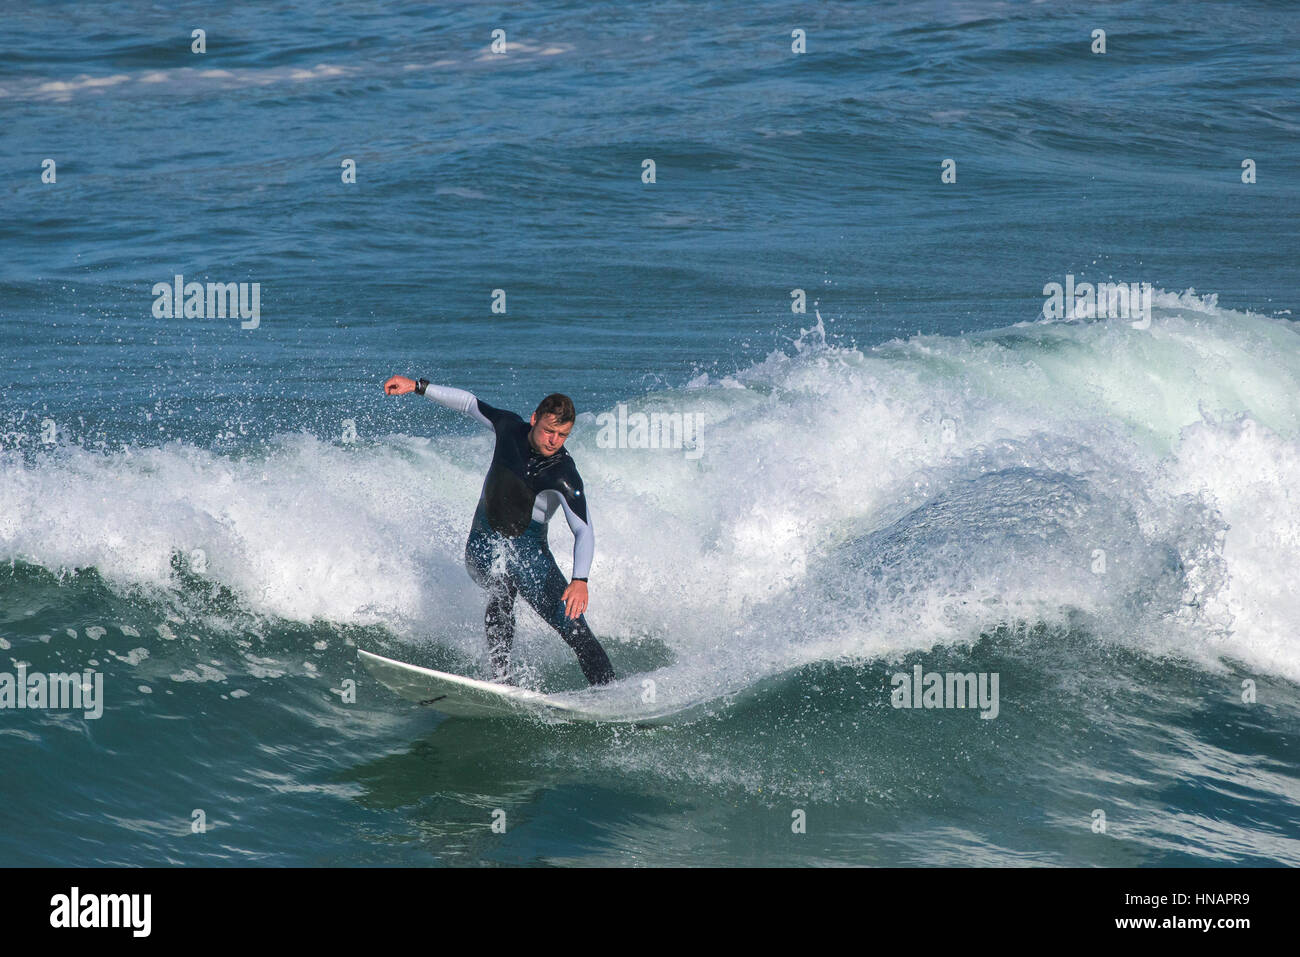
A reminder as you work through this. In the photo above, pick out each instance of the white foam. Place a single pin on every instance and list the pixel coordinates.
(180, 79)
(846, 503)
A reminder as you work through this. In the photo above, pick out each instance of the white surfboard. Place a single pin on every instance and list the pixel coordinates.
(472, 698)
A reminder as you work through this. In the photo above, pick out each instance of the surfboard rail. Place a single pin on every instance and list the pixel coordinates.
(465, 697)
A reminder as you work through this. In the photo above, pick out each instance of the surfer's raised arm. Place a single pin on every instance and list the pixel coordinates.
(457, 400)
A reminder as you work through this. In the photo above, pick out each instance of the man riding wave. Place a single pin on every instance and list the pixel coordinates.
(531, 476)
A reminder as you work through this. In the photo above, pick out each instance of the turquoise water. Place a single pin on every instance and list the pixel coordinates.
(917, 470)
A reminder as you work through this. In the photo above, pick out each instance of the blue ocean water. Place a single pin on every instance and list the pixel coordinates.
(917, 469)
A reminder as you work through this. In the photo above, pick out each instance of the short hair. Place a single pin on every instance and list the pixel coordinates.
(558, 405)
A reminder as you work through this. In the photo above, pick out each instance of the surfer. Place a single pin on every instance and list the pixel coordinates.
(531, 475)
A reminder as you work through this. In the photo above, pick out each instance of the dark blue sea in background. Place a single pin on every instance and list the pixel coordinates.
(918, 469)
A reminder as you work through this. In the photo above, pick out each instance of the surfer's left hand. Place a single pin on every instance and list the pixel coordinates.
(575, 599)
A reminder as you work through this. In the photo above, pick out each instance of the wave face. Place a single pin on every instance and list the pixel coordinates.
(1100, 515)
(838, 503)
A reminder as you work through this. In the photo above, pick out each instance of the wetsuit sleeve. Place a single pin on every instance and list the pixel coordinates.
(461, 401)
(584, 537)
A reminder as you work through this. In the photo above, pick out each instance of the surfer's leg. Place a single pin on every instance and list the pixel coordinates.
(482, 552)
(542, 584)
(499, 621)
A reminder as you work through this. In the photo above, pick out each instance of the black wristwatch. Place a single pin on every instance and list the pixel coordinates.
(421, 385)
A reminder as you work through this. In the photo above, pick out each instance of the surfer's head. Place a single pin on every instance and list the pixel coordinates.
(552, 423)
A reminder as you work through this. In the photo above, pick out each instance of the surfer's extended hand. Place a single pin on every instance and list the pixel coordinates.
(399, 385)
(575, 599)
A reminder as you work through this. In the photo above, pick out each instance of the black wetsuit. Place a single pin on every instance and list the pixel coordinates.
(507, 552)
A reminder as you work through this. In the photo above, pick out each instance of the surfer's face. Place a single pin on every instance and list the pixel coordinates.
(547, 435)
